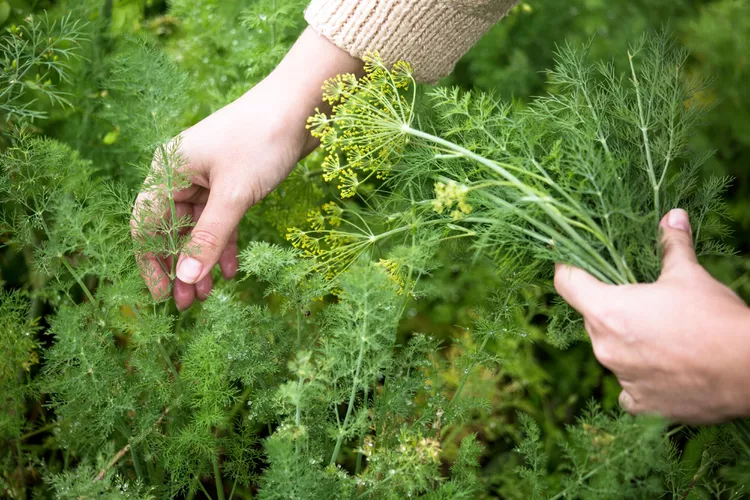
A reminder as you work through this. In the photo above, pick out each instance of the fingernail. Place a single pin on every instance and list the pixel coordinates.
(679, 219)
(189, 270)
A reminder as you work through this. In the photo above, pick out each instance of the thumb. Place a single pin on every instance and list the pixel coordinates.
(677, 241)
(211, 233)
(579, 289)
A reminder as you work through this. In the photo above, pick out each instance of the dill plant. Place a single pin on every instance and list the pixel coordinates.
(303, 380)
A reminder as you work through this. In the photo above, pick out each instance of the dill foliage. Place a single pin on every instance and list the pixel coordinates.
(36, 57)
(394, 349)
(582, 175)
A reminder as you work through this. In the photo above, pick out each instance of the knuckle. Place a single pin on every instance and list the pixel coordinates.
(206, 240)
(637, 407)
(605, 353)
(240, 196)
(630, 405)
(559, 281)
(236, 189)
(163, 152)
(611, 320)
(249, 193)
(158, 158)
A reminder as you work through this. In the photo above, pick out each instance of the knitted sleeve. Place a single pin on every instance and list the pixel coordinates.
(430, 34)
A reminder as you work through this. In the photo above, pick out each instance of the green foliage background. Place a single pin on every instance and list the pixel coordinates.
(205, 408)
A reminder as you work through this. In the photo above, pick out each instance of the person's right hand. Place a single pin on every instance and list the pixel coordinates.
(680, 347)
(234, 158)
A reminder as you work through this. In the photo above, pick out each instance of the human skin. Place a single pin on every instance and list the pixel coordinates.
(680, 347)
(238, 155)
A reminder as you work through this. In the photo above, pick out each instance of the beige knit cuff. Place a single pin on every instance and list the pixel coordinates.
(430, 34)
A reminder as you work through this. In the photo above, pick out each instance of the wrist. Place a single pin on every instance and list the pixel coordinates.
(299, 78)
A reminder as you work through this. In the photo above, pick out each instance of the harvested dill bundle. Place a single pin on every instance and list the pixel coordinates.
(580, 176)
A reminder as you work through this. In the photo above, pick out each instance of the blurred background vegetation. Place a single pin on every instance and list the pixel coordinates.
(228, 45)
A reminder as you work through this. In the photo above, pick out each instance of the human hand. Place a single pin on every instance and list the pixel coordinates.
(680, 347)
(234, 158)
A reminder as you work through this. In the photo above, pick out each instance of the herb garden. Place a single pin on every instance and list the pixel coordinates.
(393, 331)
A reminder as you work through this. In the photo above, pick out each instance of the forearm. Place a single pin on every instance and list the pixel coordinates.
(430, 34)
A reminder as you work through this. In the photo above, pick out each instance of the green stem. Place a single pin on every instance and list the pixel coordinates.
(194, 486)
(21, 474)
(298, 403)
(136, 461)
(168, 360)
(37, 431)
(358, 467)
(355, 384)
(240, 402)
(466, 375)
(78, 280)
(601, 268)
(203, 488)
(234, 487)
(474, 363)
(107, 9)
(217, 479)
(174, 251)
(526, 190)
(646, 143)
(69, 267)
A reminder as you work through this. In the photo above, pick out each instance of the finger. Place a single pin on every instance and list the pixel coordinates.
(152, 273)
(225, 207)
(229, 260)
(203, 287)
(147, 221)
(184, 210)
(142, 227)
(627, 402)
(579, 289)
(194, 195)
(677, 241)
(184, 294)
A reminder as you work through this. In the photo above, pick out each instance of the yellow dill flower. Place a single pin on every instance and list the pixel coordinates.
(316, 219)
(331, 166)
(450, 194)
(374, 67)
(303, 241)
(349, 183)
(402, 74)
(339, 88)
(366, 125)
(334, 213)
(318, 124)
(392, 269)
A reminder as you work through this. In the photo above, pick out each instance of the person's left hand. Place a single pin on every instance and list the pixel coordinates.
(680, 347)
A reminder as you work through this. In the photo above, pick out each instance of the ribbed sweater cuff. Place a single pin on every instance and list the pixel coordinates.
(430, 34)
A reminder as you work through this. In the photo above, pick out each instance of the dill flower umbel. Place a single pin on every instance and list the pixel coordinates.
(393, 269)
(449, 194)
(367, 123)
